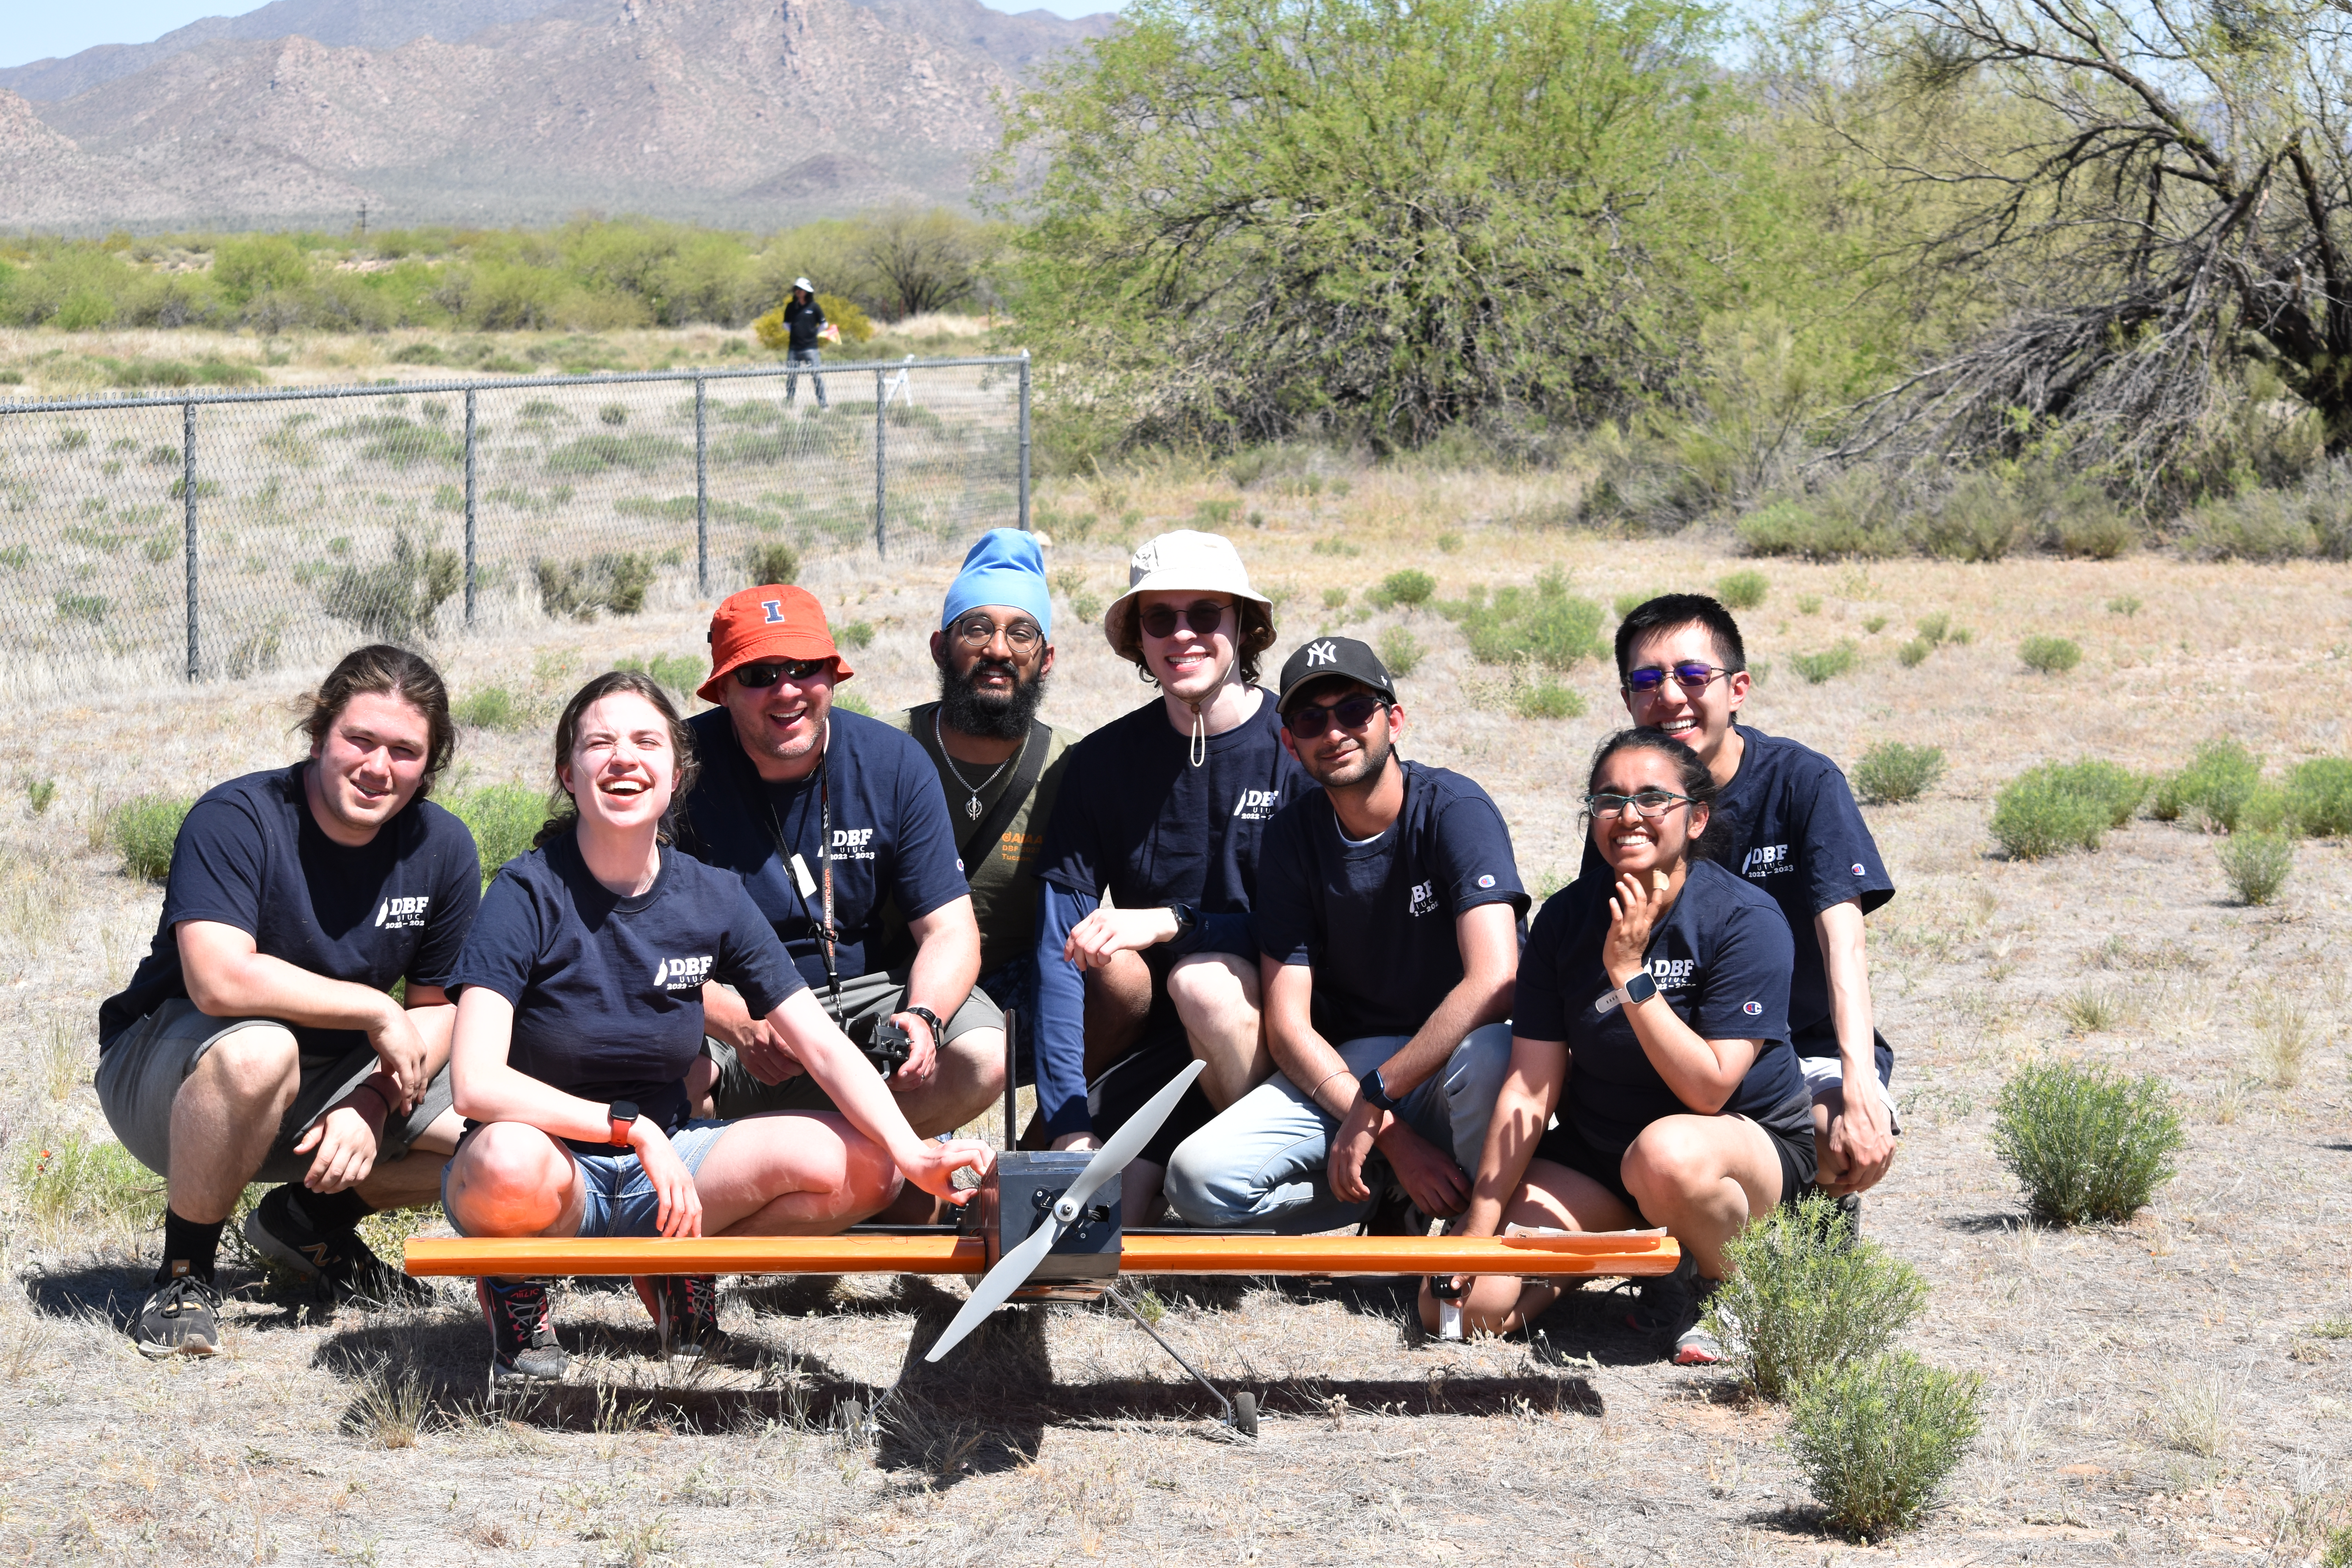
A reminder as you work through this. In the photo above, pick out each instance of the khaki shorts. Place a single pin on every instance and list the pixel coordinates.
(140, 1075)
(737, 1094)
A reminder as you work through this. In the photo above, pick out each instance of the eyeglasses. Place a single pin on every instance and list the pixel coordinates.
(796, 670)
(979, 631)
(1649, 802)
(1203, 616)
(1308, 722)
(1690, 677)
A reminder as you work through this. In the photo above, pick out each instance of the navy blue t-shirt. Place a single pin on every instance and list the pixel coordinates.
(251, 855)
(891, 841)
(1787, 822)
(607, 991)
(1136, 818)
(1376, 920)
(1721, 959)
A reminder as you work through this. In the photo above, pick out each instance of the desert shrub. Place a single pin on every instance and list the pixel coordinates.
(395, 599)
(1874, 624)
(1803, 1296)
(1401, 651)
(2050, 655)
(1790, 528)
(680, 672)
(772, 562)
(89, 609)
(1742, 590)
(40, 792)
(2086, 1143)
(2213, 790)
(2256, 864)
(602, 453)
(1937, 629)
(1550, 625)
(849, 701)
(1891, 772)
(492, 708)
(1914, 653)
(503, 819)
(2319, 797)
(144, 830)
(580, 588)
(1808, 604)
(613, 414)
(1877, 1438)
(2261, 525)
(1827, 664)
(2124, 604)
(854, 634)
(2048, 810)
(1980, 521)
(1626, 603)
(1334, 598)
(1407, 587)
(1544, 697)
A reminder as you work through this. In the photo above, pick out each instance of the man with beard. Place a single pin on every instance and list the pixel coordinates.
(998, 765)
(1388, 913)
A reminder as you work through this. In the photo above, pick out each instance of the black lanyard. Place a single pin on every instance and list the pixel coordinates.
(826, 935)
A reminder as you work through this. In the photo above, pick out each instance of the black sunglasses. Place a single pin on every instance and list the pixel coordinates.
(1204, 617)
(1691, 677)
(757, 676)
(1307, 722)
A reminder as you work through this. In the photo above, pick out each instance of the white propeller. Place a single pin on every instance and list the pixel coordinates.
(1012, 1269)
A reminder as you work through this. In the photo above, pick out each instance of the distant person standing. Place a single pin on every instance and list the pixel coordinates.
(805, 320)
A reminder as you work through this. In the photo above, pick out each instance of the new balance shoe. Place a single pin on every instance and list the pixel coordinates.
(336, 1262)
(686, 1310)
(522, 1337)
(180, 1317)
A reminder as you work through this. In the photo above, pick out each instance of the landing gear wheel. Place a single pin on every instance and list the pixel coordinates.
(1245, 1413)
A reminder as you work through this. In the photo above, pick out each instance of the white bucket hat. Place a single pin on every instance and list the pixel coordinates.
(803, 285)
(1185, 561)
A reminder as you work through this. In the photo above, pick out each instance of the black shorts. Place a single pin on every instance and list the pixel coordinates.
(1161, 1051)
(1790, 1126)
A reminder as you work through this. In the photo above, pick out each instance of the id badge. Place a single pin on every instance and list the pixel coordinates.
(802, 880)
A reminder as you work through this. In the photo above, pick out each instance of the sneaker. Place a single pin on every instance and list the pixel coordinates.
(1670, 1304)
(1850, 1210)
(180, 1318)
(687, 1314)
(522, 1339)
(336, 1262)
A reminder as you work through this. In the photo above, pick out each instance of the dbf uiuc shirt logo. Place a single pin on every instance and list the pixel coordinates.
(681, 973)
(402, 914)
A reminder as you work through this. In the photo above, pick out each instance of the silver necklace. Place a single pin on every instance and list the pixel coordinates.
(971, 806)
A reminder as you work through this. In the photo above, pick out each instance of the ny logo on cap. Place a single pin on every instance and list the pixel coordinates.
(775, 608)
(1322, 653)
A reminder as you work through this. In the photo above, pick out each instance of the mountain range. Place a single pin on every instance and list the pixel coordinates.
(304, 113)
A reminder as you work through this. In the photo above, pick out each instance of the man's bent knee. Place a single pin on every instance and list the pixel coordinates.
(1205, 982)
(256, 1063)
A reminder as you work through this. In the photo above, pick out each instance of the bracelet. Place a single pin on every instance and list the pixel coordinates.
(381, 1098)
(1317, 1095)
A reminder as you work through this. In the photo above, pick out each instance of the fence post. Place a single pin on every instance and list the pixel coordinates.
(1025, 440)
(188, 492)
(701, 492)
(881, 546)
(470, 505)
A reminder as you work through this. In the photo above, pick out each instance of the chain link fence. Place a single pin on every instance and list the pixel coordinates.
(220, 535)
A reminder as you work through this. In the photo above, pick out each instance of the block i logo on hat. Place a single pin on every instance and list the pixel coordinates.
(759, 625)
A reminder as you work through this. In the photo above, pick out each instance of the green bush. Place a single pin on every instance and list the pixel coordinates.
(492, 708)
(1549, 627)
(2049, 809)
(855, 634)
(602, 453)
(144, 830)
(1803, 1296)
(2256, 864)
(1742, 590)
(1914, 653)
(2319, 798)
(1891, 772)
(503, 819)
(2050, 655)
(680, 672)
(580, 588)
(1544, 697)
(1401, 651)
(2213, 790)
(1827, 664)
(40, 792)
(1407, 587)
(2125, 604)
(1876, 1439)
(774, 562)
(87, 607)
(1626, 603)
(395, 599)
(2086, 1143)
(1786, 528)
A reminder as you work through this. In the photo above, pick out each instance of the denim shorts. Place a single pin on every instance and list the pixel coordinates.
(620, 1199)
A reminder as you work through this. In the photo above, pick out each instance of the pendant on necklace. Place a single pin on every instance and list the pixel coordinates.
(971, 808)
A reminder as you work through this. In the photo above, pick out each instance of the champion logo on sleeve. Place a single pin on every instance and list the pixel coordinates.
(1753, 1009)
(1486, 881)
(1858, 870)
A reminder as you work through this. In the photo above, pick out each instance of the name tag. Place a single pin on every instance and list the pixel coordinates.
(802, 880)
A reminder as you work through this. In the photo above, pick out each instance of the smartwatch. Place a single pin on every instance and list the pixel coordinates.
(623, 1115)
(1639, 989)
(1370, 1087)
(1187, 917)
(939, 1030)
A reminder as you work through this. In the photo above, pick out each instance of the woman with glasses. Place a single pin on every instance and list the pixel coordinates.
(1145, 957)
(1652, 1016)
(580, 1016)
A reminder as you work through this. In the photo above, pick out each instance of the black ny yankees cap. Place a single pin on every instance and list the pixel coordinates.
(1323, 657)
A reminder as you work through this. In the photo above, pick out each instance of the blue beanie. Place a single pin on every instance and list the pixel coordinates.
(1002, 568)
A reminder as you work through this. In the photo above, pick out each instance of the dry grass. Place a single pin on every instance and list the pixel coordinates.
(1075, 1440)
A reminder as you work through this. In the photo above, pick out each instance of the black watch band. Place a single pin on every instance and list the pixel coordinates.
(1370, 1087)
(939, 1030)
(1187, 917)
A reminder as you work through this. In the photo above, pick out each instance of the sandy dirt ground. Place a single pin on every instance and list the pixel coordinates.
(2164, 1392)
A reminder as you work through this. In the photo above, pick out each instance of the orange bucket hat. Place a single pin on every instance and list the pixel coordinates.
(759, 626)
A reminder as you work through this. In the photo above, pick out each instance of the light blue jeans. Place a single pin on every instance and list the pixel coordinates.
(1264, 1161)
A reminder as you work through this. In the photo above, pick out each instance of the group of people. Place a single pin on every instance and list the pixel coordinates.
(666, 1017)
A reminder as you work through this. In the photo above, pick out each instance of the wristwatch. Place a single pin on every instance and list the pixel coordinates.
(1639, 989)
(623, 1115)
(1370, 1087)
(939, 1030)
(1187, 917)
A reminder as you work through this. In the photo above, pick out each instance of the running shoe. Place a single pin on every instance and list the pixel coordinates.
(686, 1310)
(180, 1318)
(336, 1262)
(1850, 1210)
(522, 1339)
(1670, 1304)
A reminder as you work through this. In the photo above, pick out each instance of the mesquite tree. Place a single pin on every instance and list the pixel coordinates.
(2161, 205)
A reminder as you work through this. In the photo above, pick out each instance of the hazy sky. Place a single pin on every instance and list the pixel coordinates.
(35, 31)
